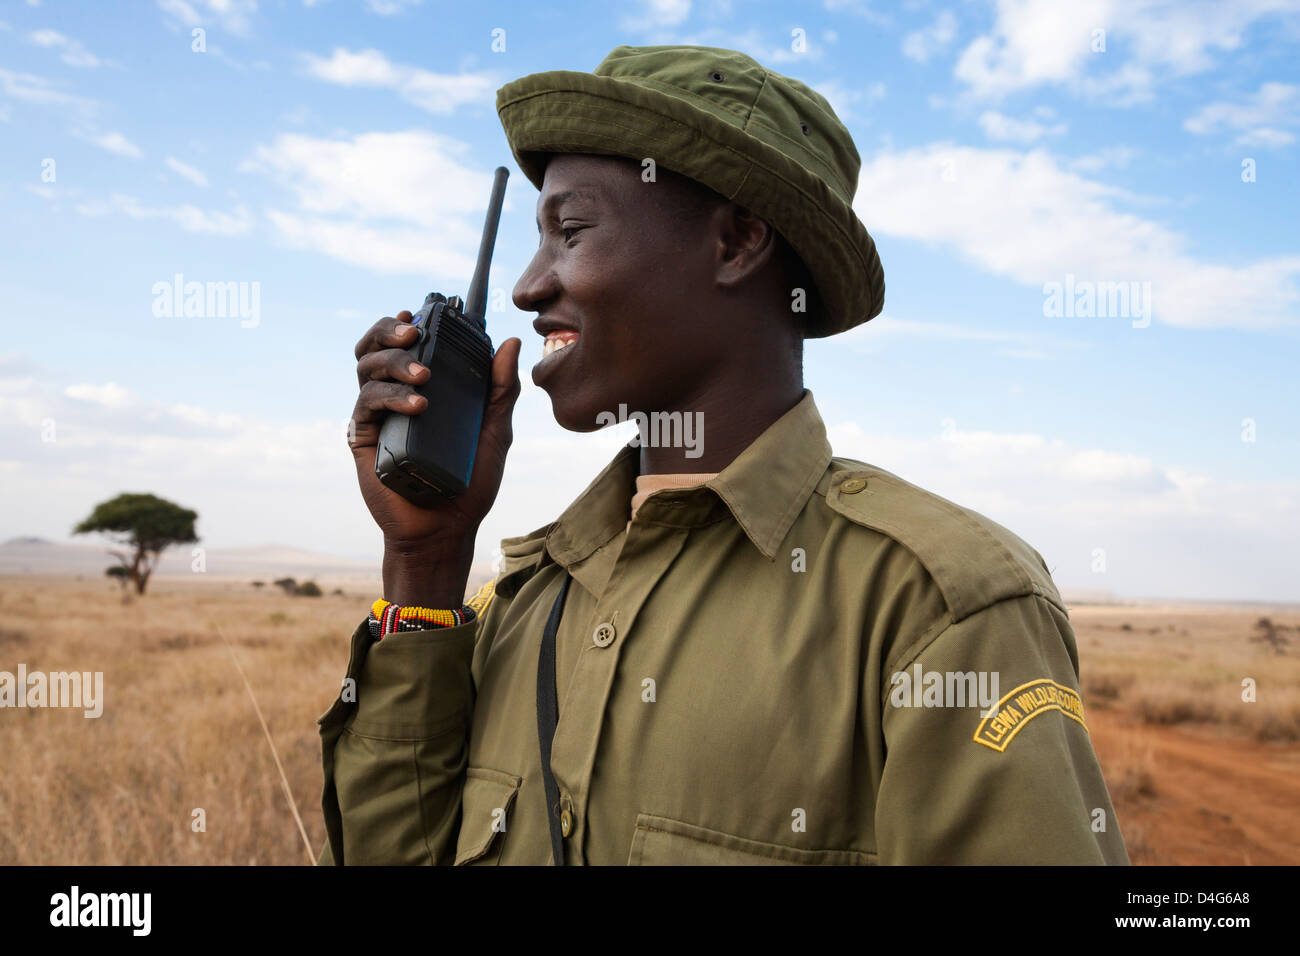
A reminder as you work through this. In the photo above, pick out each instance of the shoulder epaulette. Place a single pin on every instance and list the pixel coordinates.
(974, 561)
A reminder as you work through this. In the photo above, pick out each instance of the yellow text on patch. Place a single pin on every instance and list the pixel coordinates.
(1022, 705)
(482, 598)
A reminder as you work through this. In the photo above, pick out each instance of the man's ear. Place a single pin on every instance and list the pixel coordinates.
(746, 244)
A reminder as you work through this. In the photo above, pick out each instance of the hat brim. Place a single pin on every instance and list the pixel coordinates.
(569, 112)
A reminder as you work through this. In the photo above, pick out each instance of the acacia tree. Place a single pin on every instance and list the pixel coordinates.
(144, 525)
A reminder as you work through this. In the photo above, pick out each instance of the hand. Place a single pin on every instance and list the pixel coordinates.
(386, 374)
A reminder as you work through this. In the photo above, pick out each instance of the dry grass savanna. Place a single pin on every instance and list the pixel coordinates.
(1197, 774)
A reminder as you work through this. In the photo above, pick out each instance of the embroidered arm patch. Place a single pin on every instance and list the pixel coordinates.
(482, 598)
(1022, 705)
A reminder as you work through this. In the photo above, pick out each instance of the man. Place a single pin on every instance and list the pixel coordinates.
(732, 650)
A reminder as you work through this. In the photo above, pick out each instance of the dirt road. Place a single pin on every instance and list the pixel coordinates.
(1212, 797)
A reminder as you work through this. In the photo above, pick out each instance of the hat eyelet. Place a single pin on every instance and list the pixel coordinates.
(804, 126)
(716, 77)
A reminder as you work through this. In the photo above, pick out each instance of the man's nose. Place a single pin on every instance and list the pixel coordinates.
(535, 285)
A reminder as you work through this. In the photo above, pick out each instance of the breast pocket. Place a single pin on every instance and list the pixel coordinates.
(660, 841)
(485, 815)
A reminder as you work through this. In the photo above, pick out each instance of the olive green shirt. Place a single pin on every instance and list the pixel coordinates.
(781, 666)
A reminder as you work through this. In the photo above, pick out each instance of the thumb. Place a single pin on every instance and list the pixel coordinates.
(505, 378)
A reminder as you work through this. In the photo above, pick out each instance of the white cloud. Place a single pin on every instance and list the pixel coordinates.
(388, 8)
(1267, 137)
(185, 171)
(369, 200)
(1032, 42)
(233, 16)
(1105, 158)
(1025, 217)
(1046, 42)
(115, 142)
(439, 93)
(27, 88)
(73, 52)
(193, 415)
(1002, 128)
(190, 218)
(409, 251)
(843, 98)
(243, 475)
(110, 395)
(753, 42)
(922, 45)
(412, 176)
(1256, 119)
(1154, 521)
(861, 8)
(658, 14)
(872, 336)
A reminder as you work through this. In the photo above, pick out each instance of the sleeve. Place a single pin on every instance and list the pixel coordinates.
(394, 745)
(967, 782)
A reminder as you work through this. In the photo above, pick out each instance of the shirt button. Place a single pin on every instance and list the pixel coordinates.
(603, 635)
(566, 823)
(853, 486)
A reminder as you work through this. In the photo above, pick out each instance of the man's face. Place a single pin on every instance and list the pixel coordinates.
(617, 266)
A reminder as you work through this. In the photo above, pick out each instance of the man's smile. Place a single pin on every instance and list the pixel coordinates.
(558, 340)
(558, 344)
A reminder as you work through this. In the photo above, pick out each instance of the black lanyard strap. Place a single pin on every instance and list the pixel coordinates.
(547, 716)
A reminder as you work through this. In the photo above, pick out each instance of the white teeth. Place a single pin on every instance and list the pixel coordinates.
(554, 344)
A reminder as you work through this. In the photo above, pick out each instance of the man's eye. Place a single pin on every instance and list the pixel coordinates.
(565, 230)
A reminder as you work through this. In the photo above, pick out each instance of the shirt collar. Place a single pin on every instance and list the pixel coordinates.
(763, 489)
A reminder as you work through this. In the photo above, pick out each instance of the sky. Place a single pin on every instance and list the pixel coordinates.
(333, 158)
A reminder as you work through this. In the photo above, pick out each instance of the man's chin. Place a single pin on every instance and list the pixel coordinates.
(574, 413)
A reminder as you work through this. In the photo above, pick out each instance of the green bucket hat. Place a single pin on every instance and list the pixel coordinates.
(760, 139)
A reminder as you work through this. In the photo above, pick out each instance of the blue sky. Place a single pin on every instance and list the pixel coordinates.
(339, 155)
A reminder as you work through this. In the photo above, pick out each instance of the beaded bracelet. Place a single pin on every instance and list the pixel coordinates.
(387, 618)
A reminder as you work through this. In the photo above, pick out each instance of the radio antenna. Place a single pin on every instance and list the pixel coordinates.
(475, 308)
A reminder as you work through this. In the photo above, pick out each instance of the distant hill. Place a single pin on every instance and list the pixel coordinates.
(45, 558)
(27, 555)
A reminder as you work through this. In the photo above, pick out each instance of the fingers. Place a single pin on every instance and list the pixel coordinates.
(391, 365)
(388, 333)
(377, 399)
(385, 373)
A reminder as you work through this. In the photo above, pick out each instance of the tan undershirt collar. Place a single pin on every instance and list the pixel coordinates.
(646, 485)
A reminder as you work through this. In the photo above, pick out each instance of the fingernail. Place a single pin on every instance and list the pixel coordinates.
(413, 400)
(415, 369)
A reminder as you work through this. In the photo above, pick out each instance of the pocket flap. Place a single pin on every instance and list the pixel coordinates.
(484, 811)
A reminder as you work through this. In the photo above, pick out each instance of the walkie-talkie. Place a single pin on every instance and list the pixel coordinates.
(429, 456)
